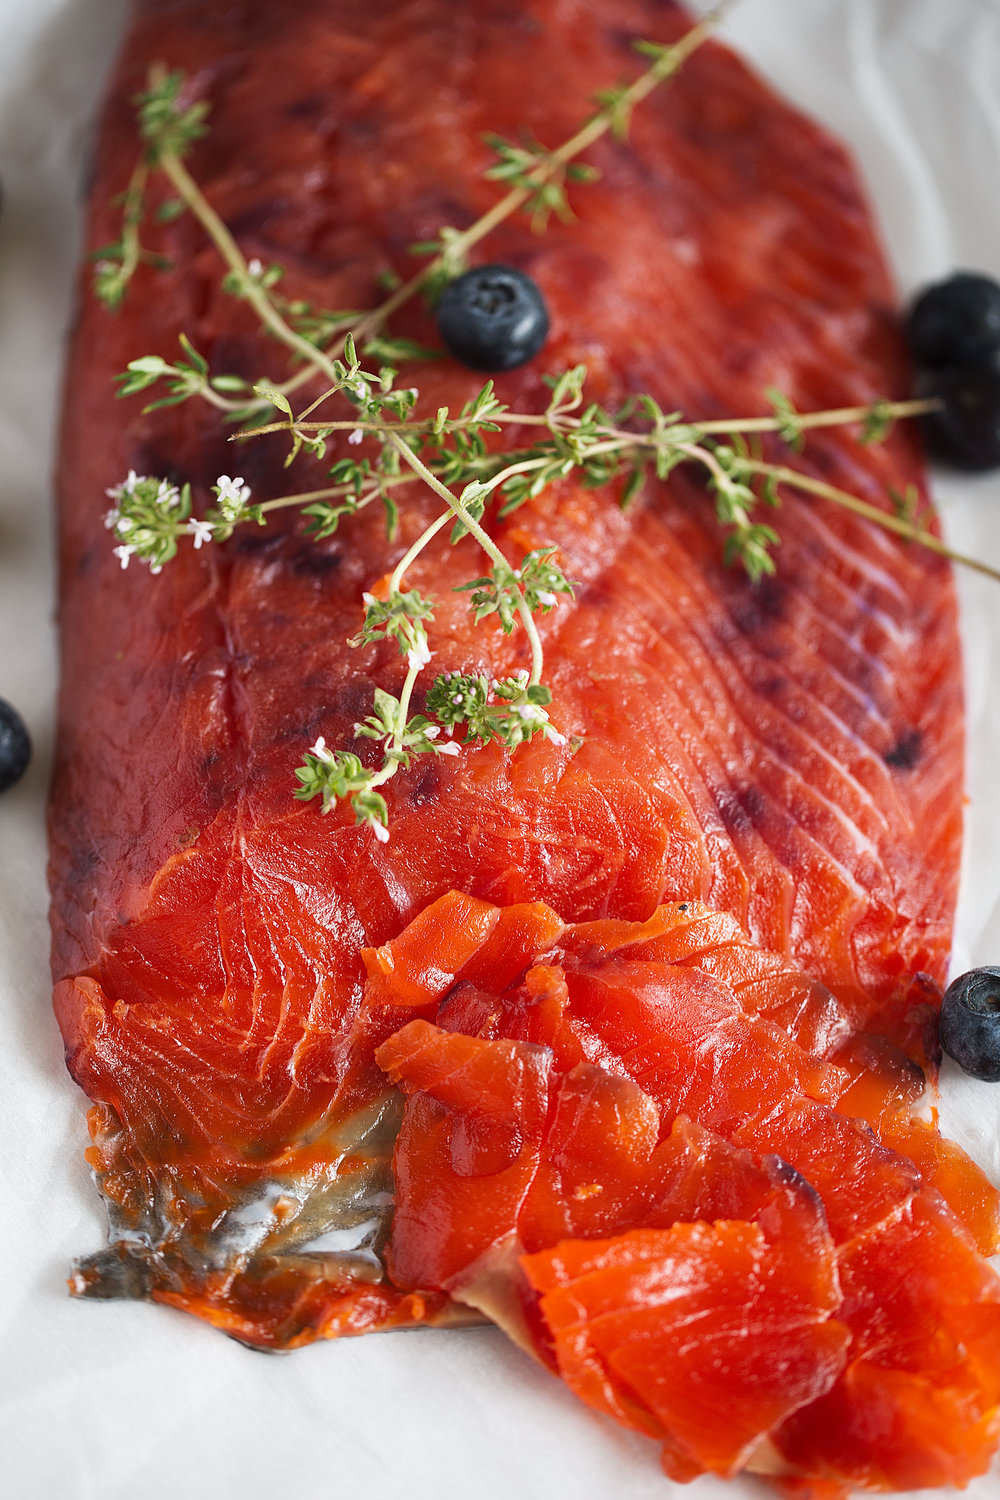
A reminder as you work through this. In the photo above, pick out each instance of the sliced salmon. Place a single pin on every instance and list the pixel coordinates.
(821, 1292)
(231, 967)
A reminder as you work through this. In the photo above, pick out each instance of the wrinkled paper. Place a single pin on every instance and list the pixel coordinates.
(131, 1400)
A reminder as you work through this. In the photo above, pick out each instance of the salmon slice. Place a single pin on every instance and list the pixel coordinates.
(229, 965)
(776, 1261)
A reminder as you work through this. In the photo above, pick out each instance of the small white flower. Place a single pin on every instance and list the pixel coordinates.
(320, 750)
(202, 531)
(233, 490)
(167, 494)
(356, 436)
(113, 517)
(123, 555)
(551, 733)
(544, 597)
(255, 269)
(127, 486)
(368, 600)
(432, 731)
(380, 831)
(450, 749)
(418, 656)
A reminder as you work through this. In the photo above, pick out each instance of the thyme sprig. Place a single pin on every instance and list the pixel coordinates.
(186, 378)
(116, 264)
(458, 456)
(595, 445)
(148, 517)
(170, 128)
(540, 174)
(379, 407)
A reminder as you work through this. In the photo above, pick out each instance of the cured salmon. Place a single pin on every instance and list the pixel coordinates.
(770, 1256)
(585, 1046)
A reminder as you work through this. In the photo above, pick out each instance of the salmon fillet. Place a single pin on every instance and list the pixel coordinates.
(789, 753)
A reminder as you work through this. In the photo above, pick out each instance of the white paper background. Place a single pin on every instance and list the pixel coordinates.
(133, 1401)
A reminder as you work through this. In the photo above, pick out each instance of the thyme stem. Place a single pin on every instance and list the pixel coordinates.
(484, 539)
(220, 236)
(283, 502)
(588, 133)
(409, 557)
(269, 315)
(392, 765)
(908, 529)
(131, 219)
(840, 417)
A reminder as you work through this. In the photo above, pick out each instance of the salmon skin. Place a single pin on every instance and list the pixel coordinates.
(788, 753)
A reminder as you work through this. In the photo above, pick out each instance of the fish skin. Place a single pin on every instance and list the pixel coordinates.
(791, 753)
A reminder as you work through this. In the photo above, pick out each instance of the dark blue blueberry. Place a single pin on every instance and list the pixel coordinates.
(956, 322)
(492, 318)
(970, 1023)
(965, 433)
(15, 746)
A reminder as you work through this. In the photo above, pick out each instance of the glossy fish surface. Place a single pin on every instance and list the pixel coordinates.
(785, 756)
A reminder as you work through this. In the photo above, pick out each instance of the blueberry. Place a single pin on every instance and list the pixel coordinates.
(492, 318)
(15, 746)
(956, 322)
(970, 1023)
(965, 433)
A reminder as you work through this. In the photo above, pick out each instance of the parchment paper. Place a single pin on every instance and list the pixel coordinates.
(135, 1401)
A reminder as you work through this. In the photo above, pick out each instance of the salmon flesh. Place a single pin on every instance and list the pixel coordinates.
(616, 1040)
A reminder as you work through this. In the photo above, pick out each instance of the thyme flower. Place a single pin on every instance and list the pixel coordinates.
(148, 517)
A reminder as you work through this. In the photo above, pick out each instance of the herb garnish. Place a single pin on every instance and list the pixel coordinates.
(449, 453)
